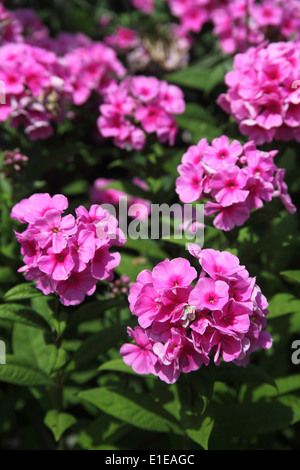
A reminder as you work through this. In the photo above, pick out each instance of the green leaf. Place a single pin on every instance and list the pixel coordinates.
(146, 246)
(41, 305)
(291, 275)
(292, 402)
(131, 265)
(97, 344)
(230, 373)
(195, 394)
(30, 347)
(199, 122)
(281, 386)
(20, 374)
(58, 423)
(22, 314)
(139, 411)
(251, 419)
(117, 365)
(199, 78)
(102, 433)
(197, 426)
(93, 310)
(76, 187)
(22, 292)
(58, 357)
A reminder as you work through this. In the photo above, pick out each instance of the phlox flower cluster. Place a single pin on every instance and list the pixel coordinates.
(11, 29)
(42, 76)
(37, 89)
(188, 318)
(239, 24)
(234, 179)
(145, 6)
(137, 107)
(263, 94)
(101, 193)
(21, 25)
(236, 23)
(93, 68)
(64, 254)
(192, 14)
(167, 48)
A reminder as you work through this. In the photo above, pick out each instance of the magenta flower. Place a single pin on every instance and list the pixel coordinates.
(221, 153)
(171, 98)
(56, 265)
(82, 246)
(219, 265)
(28, 210)
(228, 217)
(146, 6)
(138, 106)
(103, 263)
(139, 356)
(171, 274)
(228, 185)
(235, 317)
(145, 88)
(148, 306)
(261, 96)
(189, 184)
(209, 294)
(76, 287)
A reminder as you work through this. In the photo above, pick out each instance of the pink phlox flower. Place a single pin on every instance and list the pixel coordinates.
(229, 216)
(146, 6)
(221, 152)
(144, 277)
(104, 262)
(73, 290)
(228, 186)
(209, 294)
(189, 184)
(176, 301)
(234, 317)
(82, 247)
(56, 265)
(168, 275)
(171, 98)
(148, 306)
(28, 210)
(194, 153)
(139, 356)
(53, 230)
(62, 254)
(220, 264)
(228, 346)
(145, 88)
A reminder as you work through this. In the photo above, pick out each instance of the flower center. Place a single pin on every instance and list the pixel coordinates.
(223, 154)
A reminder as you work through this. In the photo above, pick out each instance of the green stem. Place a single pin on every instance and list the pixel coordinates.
(58, 378)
